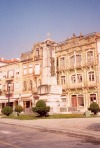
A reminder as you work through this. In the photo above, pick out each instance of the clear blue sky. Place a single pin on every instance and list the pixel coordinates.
(25, 22)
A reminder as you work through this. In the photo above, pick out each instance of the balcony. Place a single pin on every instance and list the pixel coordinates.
(78, 65)
(59, 69)
(9, 93)
(72, 86)
(76, 86)
(92, 84)
(71, 67)
(10, 78)
(90, 63)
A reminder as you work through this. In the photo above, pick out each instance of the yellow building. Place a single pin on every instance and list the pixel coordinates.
(78, 64)
(76, 68)
(10, 82)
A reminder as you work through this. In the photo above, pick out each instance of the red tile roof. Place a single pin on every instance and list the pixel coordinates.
(8, 61)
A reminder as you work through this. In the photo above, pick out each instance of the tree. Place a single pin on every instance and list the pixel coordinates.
(7, 110)
(94, 107)
(18, 109)
(41, 108)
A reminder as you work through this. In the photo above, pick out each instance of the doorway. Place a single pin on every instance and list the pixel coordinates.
(74, 100)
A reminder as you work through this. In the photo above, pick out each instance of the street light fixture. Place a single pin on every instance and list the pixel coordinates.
(9, 84)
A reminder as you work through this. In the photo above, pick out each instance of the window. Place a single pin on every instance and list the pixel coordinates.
(37, 69)
(10, 73)
(79, 78)
(63, 80)
(24, 71)
(37, 52)
(0, 74)
(77, 100)
(10, 87)
(30, 85)
(76, 78)
(91, 76)
(62, 63)
(92, 98)
(80, 100)
(72, 60)
(30, 70)
(78, 58)
(4, 74)
(73, 79)
(17, 74)
(90, 56)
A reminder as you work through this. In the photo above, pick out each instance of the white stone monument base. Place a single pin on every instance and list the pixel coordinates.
(51, 94)
(53, 101)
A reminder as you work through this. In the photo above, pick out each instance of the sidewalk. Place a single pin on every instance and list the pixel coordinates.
(78, 127)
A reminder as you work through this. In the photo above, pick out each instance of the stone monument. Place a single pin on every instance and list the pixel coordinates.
(49, 91)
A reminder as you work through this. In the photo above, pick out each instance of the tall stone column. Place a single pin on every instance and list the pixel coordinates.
(49, 90)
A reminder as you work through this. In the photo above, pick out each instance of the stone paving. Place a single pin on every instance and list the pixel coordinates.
(76, 127)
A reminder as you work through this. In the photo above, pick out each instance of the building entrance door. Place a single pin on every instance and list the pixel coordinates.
(74, 101)
(27, 104)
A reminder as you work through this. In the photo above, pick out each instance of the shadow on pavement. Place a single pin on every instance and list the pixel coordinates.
(94, 127)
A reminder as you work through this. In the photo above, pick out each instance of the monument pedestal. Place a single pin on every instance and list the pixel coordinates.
(51, 94)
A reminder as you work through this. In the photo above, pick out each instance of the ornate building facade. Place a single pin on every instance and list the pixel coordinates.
(78, 64)
(73, 65)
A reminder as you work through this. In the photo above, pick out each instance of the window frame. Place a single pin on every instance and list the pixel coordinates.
(63, 80)
(91, 58)
(62, 64)
(70, 63)
(91, 77)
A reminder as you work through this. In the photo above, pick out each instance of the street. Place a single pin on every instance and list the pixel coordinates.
(12, 136)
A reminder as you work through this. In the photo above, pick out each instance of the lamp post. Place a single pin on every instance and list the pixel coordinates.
(8, 94)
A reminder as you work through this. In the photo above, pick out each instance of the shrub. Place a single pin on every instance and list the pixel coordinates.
(94, 107)
(18, 109)
(41, 108)
(7, 110)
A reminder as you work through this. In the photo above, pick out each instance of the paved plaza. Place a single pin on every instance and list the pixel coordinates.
(76, 127)
(12, 136)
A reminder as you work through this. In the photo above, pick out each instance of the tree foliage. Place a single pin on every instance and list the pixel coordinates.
(18, 109)
(41, 108)
(7, 110)
(94, 107)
